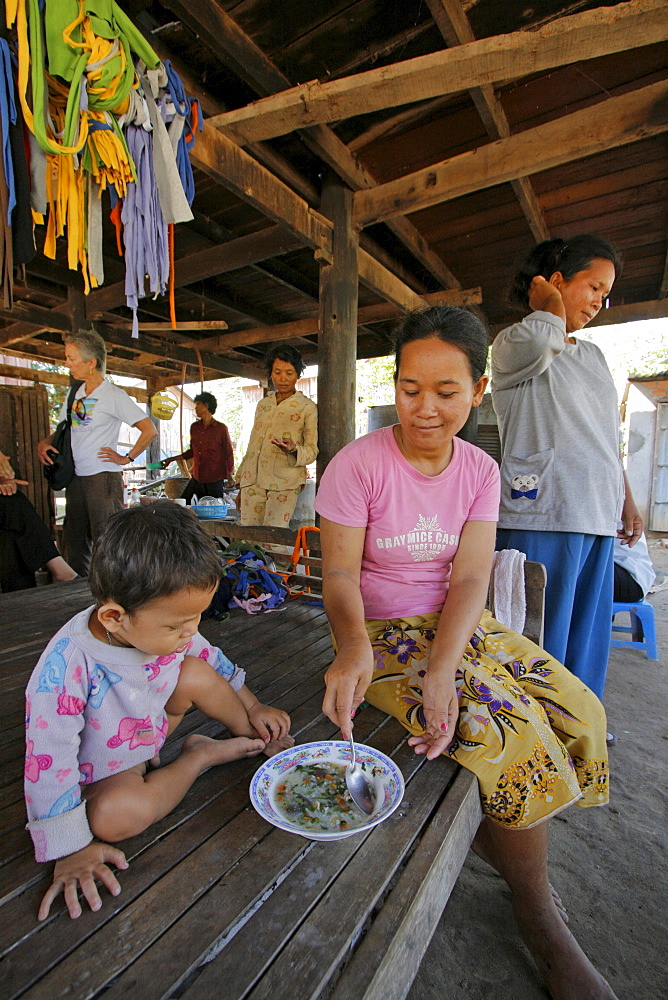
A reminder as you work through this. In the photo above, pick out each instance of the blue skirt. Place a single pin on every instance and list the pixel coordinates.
(578, 598)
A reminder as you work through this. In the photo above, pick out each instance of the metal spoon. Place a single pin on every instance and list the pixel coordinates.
(358, 786)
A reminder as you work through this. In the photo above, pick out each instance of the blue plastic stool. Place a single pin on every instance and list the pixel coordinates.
(641, 628)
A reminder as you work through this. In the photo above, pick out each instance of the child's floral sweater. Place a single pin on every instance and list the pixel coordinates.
(93, 710)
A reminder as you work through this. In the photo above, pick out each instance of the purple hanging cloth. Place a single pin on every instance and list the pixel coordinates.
(144, 228)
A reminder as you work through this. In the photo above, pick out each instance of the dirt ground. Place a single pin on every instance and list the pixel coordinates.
(610, 865)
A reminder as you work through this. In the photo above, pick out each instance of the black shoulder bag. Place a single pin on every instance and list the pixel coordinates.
(61, 473)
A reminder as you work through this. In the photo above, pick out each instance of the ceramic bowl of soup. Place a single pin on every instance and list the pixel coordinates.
(303, 790)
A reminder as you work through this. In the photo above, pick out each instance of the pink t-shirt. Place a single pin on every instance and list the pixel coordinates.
(413, 521)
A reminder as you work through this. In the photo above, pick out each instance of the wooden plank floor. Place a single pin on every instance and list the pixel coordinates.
(216, 902)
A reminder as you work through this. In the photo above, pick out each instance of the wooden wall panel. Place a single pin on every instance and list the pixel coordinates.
(24, 420)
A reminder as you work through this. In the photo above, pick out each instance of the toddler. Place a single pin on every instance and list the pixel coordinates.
(113, 683)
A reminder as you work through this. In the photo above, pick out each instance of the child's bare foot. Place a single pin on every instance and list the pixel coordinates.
(275, 746)
(215, 752)
(153, 763)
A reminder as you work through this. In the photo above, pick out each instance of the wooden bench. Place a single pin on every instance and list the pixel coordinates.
(216, 902)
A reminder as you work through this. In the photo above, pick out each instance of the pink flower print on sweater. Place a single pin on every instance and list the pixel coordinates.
(85, 774)
(34, 763)
(68, 704)
(138, 731)
(153, 668)
(161, 732)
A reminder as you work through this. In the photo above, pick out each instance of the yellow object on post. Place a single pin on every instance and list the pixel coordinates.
(163, 406)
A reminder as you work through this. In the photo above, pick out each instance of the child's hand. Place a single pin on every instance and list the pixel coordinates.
(81, 869)
(269, 723)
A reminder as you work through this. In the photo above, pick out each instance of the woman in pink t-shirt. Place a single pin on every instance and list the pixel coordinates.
(408, 521)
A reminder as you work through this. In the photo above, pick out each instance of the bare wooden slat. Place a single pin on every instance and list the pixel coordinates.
(613, 122)
(408, 919)
(632, 312)
(314, 954)
(587, 35)
(455, 28)
(219, 259)
(215, 917)
(227, 40)
(366, 315)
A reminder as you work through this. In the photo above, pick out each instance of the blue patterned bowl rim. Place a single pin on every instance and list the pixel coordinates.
(220, 510)
(274, 769)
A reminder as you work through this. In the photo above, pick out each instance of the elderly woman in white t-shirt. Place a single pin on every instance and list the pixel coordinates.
(408, 520)
(98, 410)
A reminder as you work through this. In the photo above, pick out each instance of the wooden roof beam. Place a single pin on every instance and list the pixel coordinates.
(261, 151)
(240, 252)
(31, 318)
(207, 263)
(575, 38)
(610, 123)
(122, 338)
(53, 378)
(233, 168)
(366, 315)
(53, 353)
(223, 36)
(631, 312)
(455, 27)
(384, 283)
(46, 319)
(663, 288)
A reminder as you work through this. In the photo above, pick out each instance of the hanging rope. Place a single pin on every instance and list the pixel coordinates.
(183, 383)
(201, 369)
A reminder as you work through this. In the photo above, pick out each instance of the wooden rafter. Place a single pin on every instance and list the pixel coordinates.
(228, 42)
(261, 151)
(245, 250)
(206, 263)
(373, 275)
(455, 27)
(53, 378)
(613, 122)
(366, 316)
(632, 312)
(240, 173)
(579, 37)
(53, 353)
(663, 288)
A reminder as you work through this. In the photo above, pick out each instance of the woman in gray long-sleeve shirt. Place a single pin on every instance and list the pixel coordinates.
(563, 486)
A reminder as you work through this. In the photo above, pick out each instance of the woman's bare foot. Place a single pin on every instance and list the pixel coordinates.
(568, 973)
(275, 746)
(215, 752)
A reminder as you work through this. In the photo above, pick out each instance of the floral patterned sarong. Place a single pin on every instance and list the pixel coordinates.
(532, 733)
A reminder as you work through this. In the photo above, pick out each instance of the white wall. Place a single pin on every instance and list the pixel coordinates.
(640, 420)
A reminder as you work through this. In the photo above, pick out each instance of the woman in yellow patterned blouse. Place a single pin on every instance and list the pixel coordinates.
(284, 440)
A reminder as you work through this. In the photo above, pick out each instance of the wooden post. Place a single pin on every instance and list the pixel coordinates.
(153, 450)
(337, 342)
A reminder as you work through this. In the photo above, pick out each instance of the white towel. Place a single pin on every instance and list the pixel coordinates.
(507, 593)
